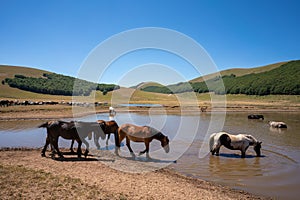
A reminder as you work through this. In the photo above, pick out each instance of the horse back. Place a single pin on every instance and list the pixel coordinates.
(135, 133)
(226, 141)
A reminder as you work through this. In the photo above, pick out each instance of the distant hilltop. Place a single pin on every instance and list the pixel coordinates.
(44, 82)
(280, 78)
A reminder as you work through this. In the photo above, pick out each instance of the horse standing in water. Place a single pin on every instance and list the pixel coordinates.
(256, 117)
(234, 142)
(277, 124)
(141, 134)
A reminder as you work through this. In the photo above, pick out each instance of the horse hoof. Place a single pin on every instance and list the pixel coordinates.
(43, 155)
(132, 154)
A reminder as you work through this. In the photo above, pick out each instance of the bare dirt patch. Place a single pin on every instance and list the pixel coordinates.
(45, 178)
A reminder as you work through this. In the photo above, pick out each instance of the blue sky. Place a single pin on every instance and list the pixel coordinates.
(59, 35)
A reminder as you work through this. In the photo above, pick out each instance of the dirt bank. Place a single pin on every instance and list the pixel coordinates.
(25, 174)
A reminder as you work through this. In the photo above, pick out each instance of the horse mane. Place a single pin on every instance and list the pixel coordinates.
(159, 135)
(253, 139)
(44, 125)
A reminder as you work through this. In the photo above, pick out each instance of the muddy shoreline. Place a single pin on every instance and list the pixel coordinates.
(111, 183)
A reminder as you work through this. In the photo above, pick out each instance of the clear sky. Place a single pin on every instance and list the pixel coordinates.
(58, 35)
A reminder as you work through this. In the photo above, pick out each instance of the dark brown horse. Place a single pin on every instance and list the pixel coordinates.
(69, 130)
(141, 134)
(108, 127)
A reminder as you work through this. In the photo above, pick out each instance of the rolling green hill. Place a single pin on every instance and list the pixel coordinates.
(143, 85)
(239, 71)
(279, 79)
(39, 81)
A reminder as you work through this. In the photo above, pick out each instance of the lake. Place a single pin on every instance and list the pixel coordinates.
(275, 174)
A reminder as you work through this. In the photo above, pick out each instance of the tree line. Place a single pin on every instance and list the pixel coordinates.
(57, 84)
(283, 80)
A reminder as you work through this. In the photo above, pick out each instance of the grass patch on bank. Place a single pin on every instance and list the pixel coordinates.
(18, 182)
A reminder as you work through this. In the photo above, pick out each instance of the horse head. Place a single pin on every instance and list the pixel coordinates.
(257, 148)
(165, 144)
(101, 130)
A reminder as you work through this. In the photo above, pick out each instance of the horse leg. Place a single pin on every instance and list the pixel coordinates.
(45, 147)
(108, 137)
(146, 150)
(55, 145)
(243, 152)
(217, 150)
(128, 146)
(120, 136)
(213, 151)
(96, 140)
(86, 146)
(79, 148)
(71, 148)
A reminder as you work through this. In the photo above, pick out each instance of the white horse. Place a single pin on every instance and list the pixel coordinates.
(234, 142)
(277, 124)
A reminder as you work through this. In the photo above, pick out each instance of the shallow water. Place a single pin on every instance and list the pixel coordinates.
(275, 174)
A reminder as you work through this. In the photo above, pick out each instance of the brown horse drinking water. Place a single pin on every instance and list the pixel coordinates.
(141, 134)
(69, 130)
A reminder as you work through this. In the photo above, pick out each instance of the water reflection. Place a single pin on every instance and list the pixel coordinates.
(275, 173)
(277, 130)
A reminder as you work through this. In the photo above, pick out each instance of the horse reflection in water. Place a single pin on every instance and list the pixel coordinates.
(141, 134)
(228, 169)
(234, 142)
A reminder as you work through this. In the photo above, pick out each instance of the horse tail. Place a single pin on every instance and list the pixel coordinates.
(212, 141)
(44, 125)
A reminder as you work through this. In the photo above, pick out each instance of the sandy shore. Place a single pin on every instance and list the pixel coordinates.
(25, 174)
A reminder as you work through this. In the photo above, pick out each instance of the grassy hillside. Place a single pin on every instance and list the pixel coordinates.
(7, 92)
(239, 71)
(50, 83)
(146, 84)
(7, 71)
(284, 80)
(279, 80)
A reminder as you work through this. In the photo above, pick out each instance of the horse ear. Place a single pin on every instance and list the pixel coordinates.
(259, 142)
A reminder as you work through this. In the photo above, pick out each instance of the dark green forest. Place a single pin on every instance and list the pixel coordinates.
(58, 84)
(284, 80)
